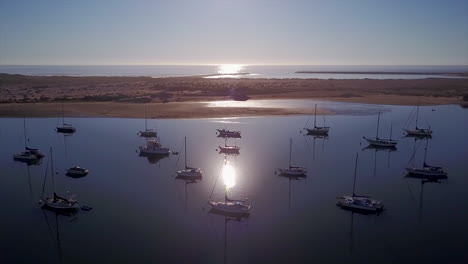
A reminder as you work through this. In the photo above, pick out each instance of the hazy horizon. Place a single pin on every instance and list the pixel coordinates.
(244, 32)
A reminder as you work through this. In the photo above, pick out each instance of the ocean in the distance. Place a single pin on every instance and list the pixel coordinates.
(236, 71)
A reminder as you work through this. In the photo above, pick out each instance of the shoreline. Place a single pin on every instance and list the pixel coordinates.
(185, 110)
(186, 97)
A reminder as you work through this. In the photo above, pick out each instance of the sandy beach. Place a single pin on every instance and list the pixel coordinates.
(181, 97)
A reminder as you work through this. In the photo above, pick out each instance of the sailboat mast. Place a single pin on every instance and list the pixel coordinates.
(24, 133)
(425, 150)
(290, 151)
(52, 170)
(378, 123)
(417, 116)
(355, 172)
(391, 126)
(63, 116)
(185, 158)
(146, 121)
(315, 116)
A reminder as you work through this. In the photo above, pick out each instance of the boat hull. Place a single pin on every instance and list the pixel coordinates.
(189, 174)
(230, 208)
(419, 132)
(293, 172)
(318, 131)
(68, 130)
(148, 134)
(61, 206)
(386, 143)
(360, 204)
(426, 173)
(74, 173)
(154, 151)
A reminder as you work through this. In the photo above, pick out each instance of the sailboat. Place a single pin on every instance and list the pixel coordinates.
(30, 155)
(379, 142)
(317, 130)
(292, 170)
(56, 202)
(427, 171)
(229, 206)
(228, 133)
(229, 150)
(153, 147)
(65, 128)
(189, 172)
(147, 132)
(419, 132)
(358, 203)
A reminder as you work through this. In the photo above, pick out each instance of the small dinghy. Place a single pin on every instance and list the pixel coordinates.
(359, 203)
(317, 130)
(189, 172)
(380, 142)
(77, 172)
(57, 202)
(228, 133)
(292, 170)
(153, 147)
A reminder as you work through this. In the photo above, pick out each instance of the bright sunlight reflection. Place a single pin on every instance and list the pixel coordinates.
(230, 68)
(229, 175)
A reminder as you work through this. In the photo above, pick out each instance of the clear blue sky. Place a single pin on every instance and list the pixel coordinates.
(243, 31)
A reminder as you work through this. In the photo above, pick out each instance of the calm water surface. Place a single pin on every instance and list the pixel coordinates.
(142, 214)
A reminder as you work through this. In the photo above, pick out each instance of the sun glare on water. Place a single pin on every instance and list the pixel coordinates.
(230, 68)
(229, 175)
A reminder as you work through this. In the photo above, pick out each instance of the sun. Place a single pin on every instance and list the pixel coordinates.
(230, 68)
(229, 175)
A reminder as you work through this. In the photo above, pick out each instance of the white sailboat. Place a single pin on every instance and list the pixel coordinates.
(419, 132)
(230, 207)
(292, 170)
(189, 172)
(379, 142)
(229, 150)
(358, 203)
(427, 171)
(147, 132)
(56, 202)
(30, 155)
(317, 130)
(65, 128)
(153, 147)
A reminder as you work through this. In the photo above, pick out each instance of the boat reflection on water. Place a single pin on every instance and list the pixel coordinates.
(227, 219)
(291, 178)
(310, 137)
(153, 159)
(70, 215)
(187, 181)
(423, 182)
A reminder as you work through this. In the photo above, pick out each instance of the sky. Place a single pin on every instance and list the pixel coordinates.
(90, 32)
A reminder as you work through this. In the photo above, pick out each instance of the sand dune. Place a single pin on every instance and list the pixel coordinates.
(177, 97)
